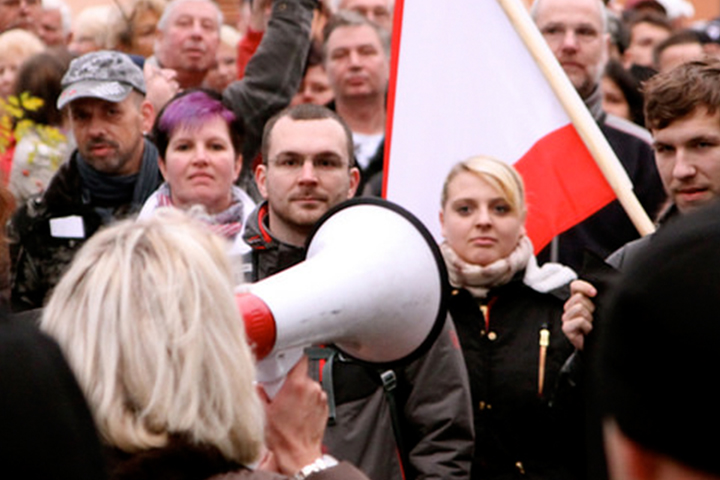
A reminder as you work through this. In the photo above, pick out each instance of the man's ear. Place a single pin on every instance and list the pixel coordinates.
(147, 111)
(261, 179)
(354, 181)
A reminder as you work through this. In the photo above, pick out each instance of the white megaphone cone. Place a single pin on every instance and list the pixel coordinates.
(373, 283)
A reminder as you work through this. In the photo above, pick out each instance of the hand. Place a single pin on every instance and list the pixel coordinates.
(578, 312)
(260, 15)
(161, 85)
(295, 420)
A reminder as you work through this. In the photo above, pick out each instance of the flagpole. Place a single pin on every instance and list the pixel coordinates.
(585, 125)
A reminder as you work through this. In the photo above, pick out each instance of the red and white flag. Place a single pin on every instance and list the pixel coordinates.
(463, 83)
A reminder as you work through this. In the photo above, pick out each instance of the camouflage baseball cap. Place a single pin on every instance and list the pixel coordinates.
(105, 74)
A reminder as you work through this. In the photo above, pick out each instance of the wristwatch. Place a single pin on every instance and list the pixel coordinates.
(322, 463)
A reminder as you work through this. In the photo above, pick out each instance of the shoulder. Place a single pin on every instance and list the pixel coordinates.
(628, 128)
(150, 205)
(627, 252)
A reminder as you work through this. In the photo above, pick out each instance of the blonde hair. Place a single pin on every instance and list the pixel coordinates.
(147, 319)
(501, 176)
(229, 36)
(19, 44)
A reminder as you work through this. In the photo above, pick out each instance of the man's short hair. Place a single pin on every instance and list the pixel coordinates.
(348, 18)
(170, 8)
(658, 350)
(652, 18)
(65, 13)
(677, 93)
(605, 13)
(307, 111)
(683, 37)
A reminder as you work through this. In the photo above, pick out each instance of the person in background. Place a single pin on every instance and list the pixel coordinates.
(146, 317)
(402, 430)
(55, 23)
(187, 39)
(15, 47)
(134, 28)
(646, 31)
(380, 12)
(507, 312)
(315, 86)
(680, 47)
(621, 93)
(224, 72)
(357, 62)
(576, 32)
(90, 30)
(110, 174)
(48, 141)
(199, 142)
(19, 14)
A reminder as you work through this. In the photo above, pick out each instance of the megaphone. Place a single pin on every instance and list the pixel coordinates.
(373, 283)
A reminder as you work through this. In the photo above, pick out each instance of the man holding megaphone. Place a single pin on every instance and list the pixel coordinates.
(420, 412)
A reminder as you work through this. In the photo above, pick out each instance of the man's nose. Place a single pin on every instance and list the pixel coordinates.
(570, 40)
(307, 172)
(683, 168)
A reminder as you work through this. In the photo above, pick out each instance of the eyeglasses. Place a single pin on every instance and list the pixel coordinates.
(326, 162)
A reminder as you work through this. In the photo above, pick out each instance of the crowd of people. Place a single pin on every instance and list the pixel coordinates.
(153, 159)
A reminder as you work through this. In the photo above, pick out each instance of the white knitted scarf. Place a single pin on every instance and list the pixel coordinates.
(479, 280)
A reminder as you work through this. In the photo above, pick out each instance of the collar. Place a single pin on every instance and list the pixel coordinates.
(593, 102)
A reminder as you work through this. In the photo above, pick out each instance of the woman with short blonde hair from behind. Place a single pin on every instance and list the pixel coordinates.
(147, 319)
(132, 316)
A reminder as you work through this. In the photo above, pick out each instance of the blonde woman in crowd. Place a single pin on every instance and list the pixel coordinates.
(507, 312)
(15, 46)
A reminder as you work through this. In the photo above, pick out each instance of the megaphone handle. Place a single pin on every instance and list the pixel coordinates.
(272, 370)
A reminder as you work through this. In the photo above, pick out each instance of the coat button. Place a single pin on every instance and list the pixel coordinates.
(492, 336)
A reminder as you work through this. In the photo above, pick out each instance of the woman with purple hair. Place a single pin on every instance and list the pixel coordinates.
(200, 144)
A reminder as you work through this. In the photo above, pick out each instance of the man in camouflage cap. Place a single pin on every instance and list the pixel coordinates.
(109, 176)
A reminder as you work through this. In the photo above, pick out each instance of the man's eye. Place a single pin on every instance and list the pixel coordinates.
(288, 162)
(586, 33)
(553, 31)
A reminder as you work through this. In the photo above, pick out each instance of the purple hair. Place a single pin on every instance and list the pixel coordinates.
(191, 110)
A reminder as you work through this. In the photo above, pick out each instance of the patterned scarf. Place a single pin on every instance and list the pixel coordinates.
(227, 223)
(479, 280)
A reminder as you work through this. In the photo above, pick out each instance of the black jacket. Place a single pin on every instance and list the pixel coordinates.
(517, 431)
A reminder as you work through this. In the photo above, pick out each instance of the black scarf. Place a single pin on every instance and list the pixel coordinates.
(109, 192)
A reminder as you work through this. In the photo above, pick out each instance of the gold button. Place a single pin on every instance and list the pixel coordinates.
(483, 333)
(492, 336)
(481, 405)
(455, 291)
